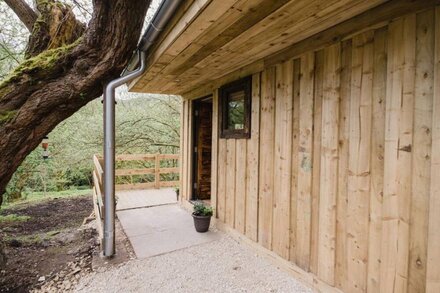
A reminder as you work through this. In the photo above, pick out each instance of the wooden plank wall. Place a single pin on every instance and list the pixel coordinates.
(186, 154)
(341, 174)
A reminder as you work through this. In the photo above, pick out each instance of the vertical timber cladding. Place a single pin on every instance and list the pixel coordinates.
(339, 176)
(433, 257)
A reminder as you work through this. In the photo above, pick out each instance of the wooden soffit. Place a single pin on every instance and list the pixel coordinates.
(207, 40)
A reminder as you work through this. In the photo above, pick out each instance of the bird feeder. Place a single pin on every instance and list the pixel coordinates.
(45, 145)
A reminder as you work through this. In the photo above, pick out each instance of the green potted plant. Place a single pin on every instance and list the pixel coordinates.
(202, 217)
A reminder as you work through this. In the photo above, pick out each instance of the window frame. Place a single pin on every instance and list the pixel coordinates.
(244, 84)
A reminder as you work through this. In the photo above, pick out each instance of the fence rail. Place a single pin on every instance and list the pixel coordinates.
(154, 161)
(98, 193)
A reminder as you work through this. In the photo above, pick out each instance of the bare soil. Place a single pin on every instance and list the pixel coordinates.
(47, 243)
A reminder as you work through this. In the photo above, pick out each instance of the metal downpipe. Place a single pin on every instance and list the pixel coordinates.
(109, 154)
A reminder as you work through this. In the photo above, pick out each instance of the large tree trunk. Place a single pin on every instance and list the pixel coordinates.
(50, 87)
(56, 26)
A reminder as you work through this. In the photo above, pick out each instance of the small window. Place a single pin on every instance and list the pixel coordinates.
(235, 108)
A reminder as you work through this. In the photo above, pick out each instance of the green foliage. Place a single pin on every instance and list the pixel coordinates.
(201, 209)
(236, 117)
(13, 39)
(144, 123)
(13, 218)
(21, 178)
(26, 239)
(148, 124)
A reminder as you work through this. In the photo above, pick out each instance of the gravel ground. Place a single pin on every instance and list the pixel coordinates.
(219, 266)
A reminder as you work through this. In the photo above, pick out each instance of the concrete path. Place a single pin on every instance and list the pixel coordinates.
(131, 199)
(159, 228)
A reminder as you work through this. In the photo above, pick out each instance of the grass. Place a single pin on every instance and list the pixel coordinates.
(13, 218)
(33, 238)
(26, 239)
(35, 197)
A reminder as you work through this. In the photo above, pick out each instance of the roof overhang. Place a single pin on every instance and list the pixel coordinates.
(208, 41)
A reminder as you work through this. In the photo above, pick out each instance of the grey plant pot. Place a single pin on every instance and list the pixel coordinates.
(201, 223)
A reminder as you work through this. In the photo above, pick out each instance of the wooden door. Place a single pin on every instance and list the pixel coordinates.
(202, 149)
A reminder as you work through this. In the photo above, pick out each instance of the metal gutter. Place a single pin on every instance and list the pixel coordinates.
(157, 24)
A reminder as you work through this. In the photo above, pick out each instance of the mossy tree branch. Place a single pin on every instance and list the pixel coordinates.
(51, 86)
(56, 26)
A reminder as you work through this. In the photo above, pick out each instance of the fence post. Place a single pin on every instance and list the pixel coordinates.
(156, 171)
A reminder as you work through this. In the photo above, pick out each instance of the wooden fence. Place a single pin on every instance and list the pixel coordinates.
(152, 170)
(160, 164)
(98, 194)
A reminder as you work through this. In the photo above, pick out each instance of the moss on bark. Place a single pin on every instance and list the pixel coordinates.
(6, 116)
(44, 61)
(55, 26)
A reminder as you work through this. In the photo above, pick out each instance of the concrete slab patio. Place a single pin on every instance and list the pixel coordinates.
(132, 199)
(155, 224)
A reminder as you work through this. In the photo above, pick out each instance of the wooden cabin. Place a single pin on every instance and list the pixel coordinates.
(313, 128)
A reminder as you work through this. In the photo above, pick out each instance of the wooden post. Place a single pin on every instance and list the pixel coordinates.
(156, 171)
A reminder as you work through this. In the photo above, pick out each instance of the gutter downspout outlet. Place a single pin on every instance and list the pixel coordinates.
(109, 154)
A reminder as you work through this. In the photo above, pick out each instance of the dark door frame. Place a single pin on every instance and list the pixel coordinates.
(195, 129)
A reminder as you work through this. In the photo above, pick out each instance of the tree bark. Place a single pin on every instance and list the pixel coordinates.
(50, 87)
(24, 12)
(56, 26)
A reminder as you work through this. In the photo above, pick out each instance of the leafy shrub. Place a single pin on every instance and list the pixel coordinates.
(202, 210)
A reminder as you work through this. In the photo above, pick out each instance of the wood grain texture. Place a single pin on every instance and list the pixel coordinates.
(289, 24)
(359, 172)
(252, 180)
(282, 159)
(295, 145)
(230, 182)
(433, 260)
(184, 152)
(421, 171)
(341, 270)
(221, 180)
(267, 118)
(363, 116)
(240, 185)
(304, 162)
(370, 19)
(377, 159)
(398, 154)
(316, 172)
(214, 156)
(329, 165)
